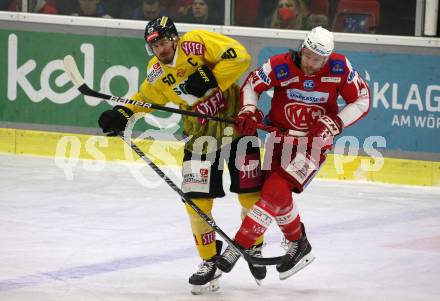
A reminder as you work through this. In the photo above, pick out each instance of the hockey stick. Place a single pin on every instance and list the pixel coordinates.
(72, 70)
(207, 219)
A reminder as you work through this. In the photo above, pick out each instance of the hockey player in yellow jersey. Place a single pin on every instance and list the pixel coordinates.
(198, 71)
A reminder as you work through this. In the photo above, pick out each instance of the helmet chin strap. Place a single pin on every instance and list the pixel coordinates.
(175, 40)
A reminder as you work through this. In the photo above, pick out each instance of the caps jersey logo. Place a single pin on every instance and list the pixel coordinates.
(302, 116)
(309, 84)
(181, 72)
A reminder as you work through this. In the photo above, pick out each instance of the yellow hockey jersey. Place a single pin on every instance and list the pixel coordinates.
(227, 58)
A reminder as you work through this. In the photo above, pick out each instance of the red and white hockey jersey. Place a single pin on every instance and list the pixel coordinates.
(299, 100)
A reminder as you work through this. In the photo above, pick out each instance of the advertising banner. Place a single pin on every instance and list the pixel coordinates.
(405, 88)
(34, 88)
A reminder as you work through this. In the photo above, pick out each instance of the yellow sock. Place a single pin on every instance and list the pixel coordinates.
(204, 235)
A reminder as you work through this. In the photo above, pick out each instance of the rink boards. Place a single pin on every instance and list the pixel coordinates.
(69, 148)
(40, 109)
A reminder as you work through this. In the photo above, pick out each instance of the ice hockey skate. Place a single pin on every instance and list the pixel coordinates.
(205, 279)
(227, 260)
(258, 271)
(298, 256)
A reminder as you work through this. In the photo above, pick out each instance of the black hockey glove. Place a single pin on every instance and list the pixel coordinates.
(114, 120)
(200, 81)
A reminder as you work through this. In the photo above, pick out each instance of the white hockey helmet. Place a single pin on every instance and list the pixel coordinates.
(320, 41)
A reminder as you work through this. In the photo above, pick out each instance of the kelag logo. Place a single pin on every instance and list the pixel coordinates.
(19, 76)
(35, 75)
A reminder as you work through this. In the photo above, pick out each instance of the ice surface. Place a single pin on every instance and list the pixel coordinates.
(99, 234)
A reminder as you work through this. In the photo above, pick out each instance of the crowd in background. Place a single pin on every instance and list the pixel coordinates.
(369, 16)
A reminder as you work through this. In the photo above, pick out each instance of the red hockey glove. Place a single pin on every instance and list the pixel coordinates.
(247, 120)
(325, 128)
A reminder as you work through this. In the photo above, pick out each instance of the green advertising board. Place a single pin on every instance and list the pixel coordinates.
(35, 89)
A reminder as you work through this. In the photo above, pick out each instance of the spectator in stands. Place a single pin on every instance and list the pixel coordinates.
(265, 10)
(66, 7)
(204, 12)
(151, 10)
(146, 10)
(245, 12)
(90, 8)
(123, 9)
(4, 4)
(312, 19)
(177, 8)
(295, 14)
(35, 6)
(287, 15)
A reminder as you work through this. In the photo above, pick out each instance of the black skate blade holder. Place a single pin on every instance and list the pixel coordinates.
(259, 260)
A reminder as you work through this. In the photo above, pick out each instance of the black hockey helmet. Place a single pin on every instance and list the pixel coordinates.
(162, 27)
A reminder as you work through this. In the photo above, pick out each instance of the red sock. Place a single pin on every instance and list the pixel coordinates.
(254, 224)
(289, 221)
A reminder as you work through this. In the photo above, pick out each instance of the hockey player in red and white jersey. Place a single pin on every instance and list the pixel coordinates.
(306, 86)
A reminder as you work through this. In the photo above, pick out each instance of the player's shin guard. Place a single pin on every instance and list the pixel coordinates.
(289, 221)
(247, 201)
(204, 235)
(254, 225)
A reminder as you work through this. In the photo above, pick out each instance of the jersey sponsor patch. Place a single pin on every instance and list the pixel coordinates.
(190, 47)
(301, 168)
(351, 76)
(250, 171)
(208, 238)
(260, 216)
(263, 76)
(290, 81)
(282, 72)
(330, 79)
(154, 72)
(309, 84)
(337, 67)
(288, 217)
(196, 176)
(212, 105)
(307, 96)
(302, 116)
